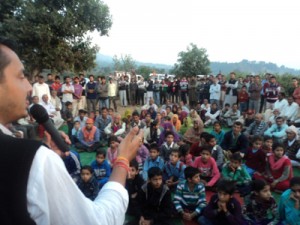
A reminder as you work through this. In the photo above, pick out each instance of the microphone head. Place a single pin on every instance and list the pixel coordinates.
(39, 113)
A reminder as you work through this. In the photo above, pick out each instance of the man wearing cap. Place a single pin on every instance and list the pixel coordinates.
(40, 88)
(89, 137)
(292, 145)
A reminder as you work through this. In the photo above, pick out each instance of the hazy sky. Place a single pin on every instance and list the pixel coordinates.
(230, 30)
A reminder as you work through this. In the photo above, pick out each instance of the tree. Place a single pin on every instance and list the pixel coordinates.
(53, 34)
(192, 62)
(124, 63)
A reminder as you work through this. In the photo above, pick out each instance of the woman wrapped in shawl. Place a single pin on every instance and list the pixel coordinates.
(143, 114)
(176, 122)
(152, 112)
(182, 114)
(168, 127)
(187, 123)
(127, 114)
(192, 135)
(163, 113)
(194, 115)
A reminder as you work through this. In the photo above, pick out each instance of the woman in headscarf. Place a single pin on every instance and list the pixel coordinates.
(187, 123)
(168, 127)
(152, 113)
(163, 113)
(152, 133)
(127, 114)
(143, 114)
(194, 115)
(182, 114)
(175, 109)
(192, 135)
(176, 122)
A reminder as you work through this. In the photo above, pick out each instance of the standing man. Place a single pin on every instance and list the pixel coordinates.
(112, 93)
(231, 91)
(82, 82)
(91, 94)
(40, 88)
(215, 92)
(50, 79)
(271, 91)
(41, 169)
(183, 89)
(67, 90)
(77, 96)
(133, 88)
(122, 91)
(103, 94)
(156, 92)
(254, 90)
(296, 93)
(149, 87)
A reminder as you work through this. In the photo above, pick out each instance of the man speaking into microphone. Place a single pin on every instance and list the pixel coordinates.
(35, 185)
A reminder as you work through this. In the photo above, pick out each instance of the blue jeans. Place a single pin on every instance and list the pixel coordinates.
(156, 96)
(243, 107)
(103, 103)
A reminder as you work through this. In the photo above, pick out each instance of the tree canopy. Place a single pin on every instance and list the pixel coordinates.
(192, 62)
(53, 34)
(124, 63)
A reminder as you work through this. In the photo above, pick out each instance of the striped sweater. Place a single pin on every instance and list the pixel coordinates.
(184, 198)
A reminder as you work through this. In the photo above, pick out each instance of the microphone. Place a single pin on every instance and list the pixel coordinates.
(40, 114)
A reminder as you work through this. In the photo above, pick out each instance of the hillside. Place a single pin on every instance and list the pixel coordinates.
(244, 66)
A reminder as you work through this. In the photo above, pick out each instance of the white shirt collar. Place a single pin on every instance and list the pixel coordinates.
(5, 130)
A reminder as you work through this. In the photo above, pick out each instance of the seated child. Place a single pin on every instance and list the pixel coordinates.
(165, 148)
(190, 199)
(87, 183)
(223, 208)
(217, 151)
(154, 160)
(218, 132)
(112, 151)
(289, 204)
(142, 154)
(75, 132)
(196, 148)
(235, 171)
(101, 168)
(260, 207)
(174, 170)
(255, 157)
(155, 200)
(278, 170)
(73, 165)
(186, 157)
(268, 145)
(134, 184)
(209, 172)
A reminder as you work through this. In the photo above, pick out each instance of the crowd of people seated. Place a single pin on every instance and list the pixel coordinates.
(212, 134)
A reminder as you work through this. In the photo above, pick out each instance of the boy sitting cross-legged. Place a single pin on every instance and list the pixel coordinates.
(174, 170)
(155, 200)
(189, 199)
(154, 160)
(223, 208)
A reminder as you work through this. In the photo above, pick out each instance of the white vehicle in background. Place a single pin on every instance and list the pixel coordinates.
(161, 77)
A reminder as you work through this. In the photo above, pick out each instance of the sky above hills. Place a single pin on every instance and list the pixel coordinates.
(156, 31)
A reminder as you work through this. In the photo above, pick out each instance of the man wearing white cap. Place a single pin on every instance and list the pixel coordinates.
(292, 145)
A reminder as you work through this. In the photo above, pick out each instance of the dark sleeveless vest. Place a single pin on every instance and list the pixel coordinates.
(16, 156)
(234, 91)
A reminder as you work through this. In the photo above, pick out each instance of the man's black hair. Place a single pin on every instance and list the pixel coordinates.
(190, 171)
(101, 152)
(154, 171)
(226, 186)
(134, 163)
(4, 60)
(294, 181)
(87, 167)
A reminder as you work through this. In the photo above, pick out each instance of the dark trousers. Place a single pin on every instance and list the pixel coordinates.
(183, 97)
